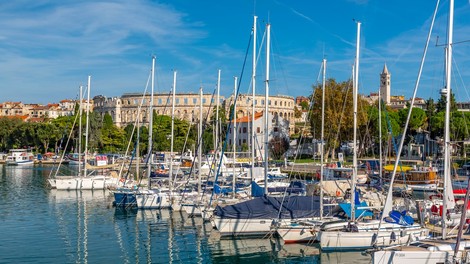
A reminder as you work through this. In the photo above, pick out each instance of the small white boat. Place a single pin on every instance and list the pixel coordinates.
(20, 157)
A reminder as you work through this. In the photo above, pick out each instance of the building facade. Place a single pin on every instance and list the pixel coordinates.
(385, 85)
(124, 110)
(241, 129)
(278, 105)
(129, 108)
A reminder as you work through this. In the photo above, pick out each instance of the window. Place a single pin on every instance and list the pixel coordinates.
(244, 130)
(185, 101)
(194, 100)
(258, 130)
(177, 101)
(262, 102)
(159, 101)
(203, 100)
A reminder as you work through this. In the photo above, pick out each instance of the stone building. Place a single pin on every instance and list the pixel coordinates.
(124, 110)
(279, 105)
(277, 126)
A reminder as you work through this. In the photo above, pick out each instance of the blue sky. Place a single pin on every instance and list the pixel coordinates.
(50, 47)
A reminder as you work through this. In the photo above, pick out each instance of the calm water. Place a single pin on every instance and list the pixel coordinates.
(39, 225)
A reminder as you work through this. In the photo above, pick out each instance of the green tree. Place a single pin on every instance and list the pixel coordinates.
(338, 113)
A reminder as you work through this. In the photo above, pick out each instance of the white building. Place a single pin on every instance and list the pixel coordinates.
(277, 126)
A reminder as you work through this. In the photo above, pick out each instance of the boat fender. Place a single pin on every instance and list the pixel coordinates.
(338, 193)
(393, 237)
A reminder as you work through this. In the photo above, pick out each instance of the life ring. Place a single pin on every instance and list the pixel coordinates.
(338, 193)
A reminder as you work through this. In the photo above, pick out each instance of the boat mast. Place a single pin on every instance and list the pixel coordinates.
(199, 150)
(380, 138)
(216, 145)
(448, 195)
(253, 83)
(149, 153)
(233, 136)
(172, 134)
(266, 103)
(355, 90)
(87, 124)
(322, 137)
(80, 111)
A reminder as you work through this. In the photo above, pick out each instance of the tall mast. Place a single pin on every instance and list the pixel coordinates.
(380, 138)
(322, 136)
(448, 199)
(87, 124)
(234, 135)
(253, 83)
(149, 153)
(172, 129)
(80, 111)
(199, 150)
(216, 145)
(266, 103)
(355, 90)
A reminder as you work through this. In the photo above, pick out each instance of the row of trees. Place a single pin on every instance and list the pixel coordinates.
(103, 136)
(339, 119)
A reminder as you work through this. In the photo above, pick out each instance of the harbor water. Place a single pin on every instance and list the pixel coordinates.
(40, 225)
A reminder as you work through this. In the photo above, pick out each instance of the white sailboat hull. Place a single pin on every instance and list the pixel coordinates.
(303, 232)
(415, 257)
(245, 227)
(364, 238)
(79, 183)
(152, 200)
(242, 227)
(425, 251)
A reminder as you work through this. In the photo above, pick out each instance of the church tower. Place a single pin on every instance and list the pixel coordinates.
(385, 85)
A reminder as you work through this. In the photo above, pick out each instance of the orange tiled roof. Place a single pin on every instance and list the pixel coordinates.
(22, 117)
(247, 119)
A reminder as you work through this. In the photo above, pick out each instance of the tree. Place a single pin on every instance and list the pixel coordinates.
(278, 146)
(113, 139)
(417, 118)
(297, 112)
(304, 105)
(47, 133)
(338, 113)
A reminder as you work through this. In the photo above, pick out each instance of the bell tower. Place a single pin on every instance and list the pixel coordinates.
(385, 85)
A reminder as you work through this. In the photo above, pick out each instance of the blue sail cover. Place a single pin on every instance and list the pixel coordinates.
(400, 218)
(358, 212)
(268, 207)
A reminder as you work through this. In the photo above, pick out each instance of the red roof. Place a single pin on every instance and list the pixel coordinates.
(247, 119)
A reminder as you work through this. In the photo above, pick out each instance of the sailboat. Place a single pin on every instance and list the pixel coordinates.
(441, 249)
(151, 198)
(397, 228)
(255, 217)
(306, 231)
(82, 181)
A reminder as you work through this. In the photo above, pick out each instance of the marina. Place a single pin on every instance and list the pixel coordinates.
(335, 177)
(43, 225)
